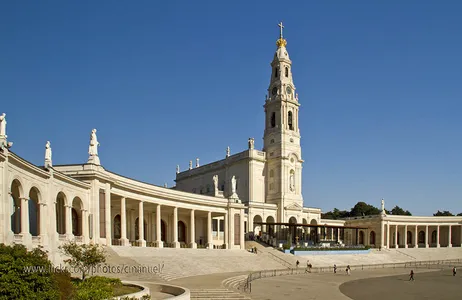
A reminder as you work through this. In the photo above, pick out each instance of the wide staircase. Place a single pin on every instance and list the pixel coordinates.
(225, 294)
(179, 263)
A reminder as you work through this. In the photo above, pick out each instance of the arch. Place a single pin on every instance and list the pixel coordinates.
(434, 241)
(313, 222)
(304, 221)
(163, 231)
(257, 227)
(60, 213)
(34, 211)
(290, 121)
(77, 207)
(361, 237)
(273, 119)
(372, 238)
(287, 72)
(409, 238)
(137, 229)
(421, 238)
(117, 227)
(270, 228)
(276, 72)
(16, 195)
(293, 220)
(181, 232)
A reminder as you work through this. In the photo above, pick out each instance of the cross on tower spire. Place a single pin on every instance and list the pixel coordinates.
(280, 27)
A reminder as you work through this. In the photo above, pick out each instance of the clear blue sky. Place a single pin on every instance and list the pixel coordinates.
(165, 82)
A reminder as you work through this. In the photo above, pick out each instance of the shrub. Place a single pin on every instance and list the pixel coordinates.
(26, 274)
(83, 257)
(95, 288)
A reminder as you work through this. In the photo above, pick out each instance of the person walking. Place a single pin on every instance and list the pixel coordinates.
(454, 271)
(335, 269)
(411, 276)
(297, 263)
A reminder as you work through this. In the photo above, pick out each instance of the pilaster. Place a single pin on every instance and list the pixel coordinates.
(141, 240)
(192, 229)
(159, 242)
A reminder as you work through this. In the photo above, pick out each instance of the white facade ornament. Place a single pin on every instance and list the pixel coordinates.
(197, 162)
(251, 143)
(292, 182)
(48, 161)
(93, 149)
(177, 169)
(233, 185)
(215, 183)
(190, 164)
(383, 206)
(165, 185)
(3, 126)
(227, 151)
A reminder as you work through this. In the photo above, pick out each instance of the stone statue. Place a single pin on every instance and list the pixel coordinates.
(227, 151)
(383, 205)
(177, 169)
(3, 125)
(93, 149)
(48, 162)
(292, 182)
(251, 143)
(215, 182)
(233, 185)
(197, 162)
(190, 164)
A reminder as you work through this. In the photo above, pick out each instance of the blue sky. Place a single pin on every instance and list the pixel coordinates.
(165, 82)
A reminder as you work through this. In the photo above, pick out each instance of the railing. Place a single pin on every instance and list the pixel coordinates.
(246, 285)
(36, 239)
(280, 260)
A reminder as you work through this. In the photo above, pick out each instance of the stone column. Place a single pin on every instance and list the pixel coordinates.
(68, 216)
(226, 232)
(141, 240)
(176, 244)
(338, 234)
(396, 236)
(382, 235)
(388, 235)
(242, 218)
(107, 213)
(159, 242)
(209, 230)
(460, 236)
(84, 214)
(426, 236)
(24, 209)
(449, 236)
(416, 237)
(405, 236)
(123, 222)
(43, 224)
(153, 227)
(438, 236)
(192, 229)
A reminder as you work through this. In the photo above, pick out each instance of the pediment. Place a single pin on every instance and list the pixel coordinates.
(293, 206)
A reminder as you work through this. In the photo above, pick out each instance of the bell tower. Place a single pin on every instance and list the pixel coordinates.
(281, 140)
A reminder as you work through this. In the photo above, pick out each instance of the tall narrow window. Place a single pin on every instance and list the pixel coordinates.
(287, 72)
(291, 127)
(276, 72)
(273, 119)
(271, 174)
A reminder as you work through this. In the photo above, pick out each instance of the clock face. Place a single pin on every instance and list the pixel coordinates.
(274, 91)
(289, 90)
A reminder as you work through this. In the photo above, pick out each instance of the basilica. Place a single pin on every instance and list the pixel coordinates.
(216, 205)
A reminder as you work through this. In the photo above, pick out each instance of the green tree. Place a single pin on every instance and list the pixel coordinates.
(364, 209)
(26, 274)
(83, 257)
(398, 211)
(336, 214)
(443, 214)
(459, 214)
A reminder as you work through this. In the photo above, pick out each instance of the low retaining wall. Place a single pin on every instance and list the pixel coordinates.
(178, 293)
(331, 252)
(136, 295)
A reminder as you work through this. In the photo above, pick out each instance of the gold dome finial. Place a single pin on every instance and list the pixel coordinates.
(281, 42)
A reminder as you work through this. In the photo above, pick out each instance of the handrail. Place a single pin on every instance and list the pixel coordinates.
(284, 262)
(405, 254)
(246, 285)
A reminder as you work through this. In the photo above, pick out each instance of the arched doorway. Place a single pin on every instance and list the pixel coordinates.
(361, 238)
(60, 213)
(409, 238)
(117, 227)
(163, 231)
(372, 238)
(137, 229)
(34, 211)
(270, 228)
(421, 237)
(181, 232)
(434, 240)
(16, 195)
(257, 228)
(77, 207)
